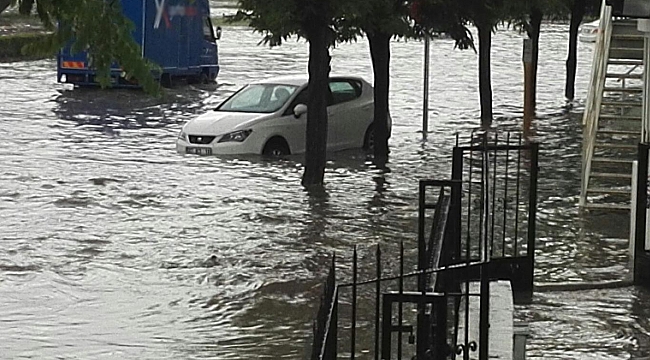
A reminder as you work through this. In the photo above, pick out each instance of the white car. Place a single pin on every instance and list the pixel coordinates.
(588, 32)
(269, 117)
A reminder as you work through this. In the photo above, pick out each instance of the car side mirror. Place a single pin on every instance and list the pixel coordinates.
(217, 33)
(299, 110)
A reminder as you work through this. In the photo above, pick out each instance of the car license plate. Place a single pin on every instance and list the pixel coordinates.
(198, 150)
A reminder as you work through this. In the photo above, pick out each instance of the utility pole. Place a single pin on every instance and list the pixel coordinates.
(425, 110)
(529, 92)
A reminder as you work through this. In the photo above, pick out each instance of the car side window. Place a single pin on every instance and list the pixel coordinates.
(301, 98)
(344, 90)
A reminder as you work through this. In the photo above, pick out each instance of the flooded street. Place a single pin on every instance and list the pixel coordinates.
(106, 232)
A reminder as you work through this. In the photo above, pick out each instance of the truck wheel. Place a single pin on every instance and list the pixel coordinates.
(205, 78)
(276, 147)
(166, 80)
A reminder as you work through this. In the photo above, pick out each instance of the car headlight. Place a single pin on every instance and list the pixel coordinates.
(237, 136)
(182, 136)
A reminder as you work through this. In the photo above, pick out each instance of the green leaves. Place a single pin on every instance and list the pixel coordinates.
(277, 20)
(98, 27)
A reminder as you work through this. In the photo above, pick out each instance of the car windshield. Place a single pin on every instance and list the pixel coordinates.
(259, 98)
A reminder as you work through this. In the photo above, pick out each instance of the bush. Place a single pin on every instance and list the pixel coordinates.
(11, 46)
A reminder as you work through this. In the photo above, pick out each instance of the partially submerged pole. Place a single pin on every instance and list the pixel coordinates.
(529, 91)
(425, 110)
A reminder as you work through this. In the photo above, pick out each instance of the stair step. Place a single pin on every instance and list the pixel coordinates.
(617, 132)
(624, 22)
(626, 48)
(619, 117)
(611, 161)
(609, 191)
(626, 53)
(615, 146)
(611, 175)
(625, 62)
(621, 36)
(607, 206)
(621, 103)
(621, 89)
(624, 76)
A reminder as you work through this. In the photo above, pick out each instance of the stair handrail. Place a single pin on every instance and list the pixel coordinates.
(599, 61)
(595, 95)
(622, 79)
(645, 106)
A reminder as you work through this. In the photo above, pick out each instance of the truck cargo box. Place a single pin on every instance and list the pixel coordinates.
(175, 34)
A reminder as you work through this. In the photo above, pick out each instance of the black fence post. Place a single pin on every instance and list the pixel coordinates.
(423, 258)
(332, 352)
(456, 205)
(377, 301)
(421, 229)
(641, 258)
(527, 296)
(485, 239)
(400, 304)
(386, 325)
(353, 326)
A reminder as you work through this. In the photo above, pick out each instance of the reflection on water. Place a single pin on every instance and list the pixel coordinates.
(114, 245)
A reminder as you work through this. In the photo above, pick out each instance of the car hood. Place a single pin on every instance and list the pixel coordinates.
(222, 122)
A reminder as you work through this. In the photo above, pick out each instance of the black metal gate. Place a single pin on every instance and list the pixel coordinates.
(476, 227)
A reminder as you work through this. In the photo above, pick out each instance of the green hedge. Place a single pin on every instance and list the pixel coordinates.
(11, 46)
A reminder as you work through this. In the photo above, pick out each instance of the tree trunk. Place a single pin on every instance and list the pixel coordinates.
(380, 54)
(485, 77)
(316, 138)
(25, 7)
(4, 4)
(535, 26)
(577, 14)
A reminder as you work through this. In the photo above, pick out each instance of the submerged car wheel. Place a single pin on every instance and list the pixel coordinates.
(275, 147)
(369, 139)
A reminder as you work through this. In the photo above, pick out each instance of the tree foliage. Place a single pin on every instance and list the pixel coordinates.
(279, 20)
(314, 20)
(100, 28)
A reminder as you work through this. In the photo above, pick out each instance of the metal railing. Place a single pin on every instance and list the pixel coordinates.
(393, 324)
(595, 95)
(623, 79)
(325, 325)
(482, 228)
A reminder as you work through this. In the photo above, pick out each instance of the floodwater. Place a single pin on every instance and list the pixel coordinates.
(106, 231)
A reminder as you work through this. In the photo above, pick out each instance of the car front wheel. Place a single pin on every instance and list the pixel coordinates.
(276, 147)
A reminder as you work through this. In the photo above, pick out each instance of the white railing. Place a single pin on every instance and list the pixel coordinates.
(645, 119)
(595, 95)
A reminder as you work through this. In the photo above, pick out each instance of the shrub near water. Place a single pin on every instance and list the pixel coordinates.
(16, 31)
(11, 46)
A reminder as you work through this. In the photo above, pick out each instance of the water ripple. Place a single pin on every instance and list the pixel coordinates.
(116, 246)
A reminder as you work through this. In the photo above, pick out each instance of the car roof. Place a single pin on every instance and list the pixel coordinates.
(299, 80)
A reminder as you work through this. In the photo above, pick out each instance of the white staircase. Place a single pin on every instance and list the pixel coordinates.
(612, 118)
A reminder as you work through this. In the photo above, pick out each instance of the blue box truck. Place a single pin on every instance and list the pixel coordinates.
(175, 34)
